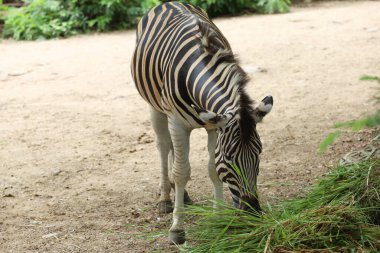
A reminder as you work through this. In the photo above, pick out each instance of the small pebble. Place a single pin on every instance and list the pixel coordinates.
(56, 171)
(50, 235)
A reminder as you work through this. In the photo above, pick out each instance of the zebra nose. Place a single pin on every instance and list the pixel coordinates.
(268, 100)
(251, 205)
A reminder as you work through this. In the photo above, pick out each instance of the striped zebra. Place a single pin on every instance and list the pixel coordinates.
(184, 68)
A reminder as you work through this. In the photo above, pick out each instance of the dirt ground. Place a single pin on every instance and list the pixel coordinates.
(79, 170)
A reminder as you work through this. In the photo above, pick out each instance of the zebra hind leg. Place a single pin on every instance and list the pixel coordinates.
(164, 145)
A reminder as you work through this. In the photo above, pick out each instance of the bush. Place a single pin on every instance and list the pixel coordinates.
(107, 15)
(234, 7)
(225, 7)
(3, 10)
(41, 19)
(44, 19)
(273, 6)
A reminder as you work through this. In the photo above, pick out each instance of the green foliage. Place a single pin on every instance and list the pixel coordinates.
(328, 141)
(147, 4)
(356, 125)
(3, 7)
(370, 78)
(106, 15)
(273, 6)
(44, 19)
(234, 7)
(373, 78)
(357, 185)
(225, 7)
(40, 19)
(3, 11)
(339, 214)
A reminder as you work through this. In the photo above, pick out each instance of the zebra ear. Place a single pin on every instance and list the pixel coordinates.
(262, 109)
(208, 117)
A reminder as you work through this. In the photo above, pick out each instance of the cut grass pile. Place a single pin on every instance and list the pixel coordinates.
(339, 214)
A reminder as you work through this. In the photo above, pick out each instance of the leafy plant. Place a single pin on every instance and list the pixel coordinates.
(3, 10)
(226, 7)
(273, 6)
(106, 15)
(40, 19)
(43, 19)
(147, 4)
(234, 7)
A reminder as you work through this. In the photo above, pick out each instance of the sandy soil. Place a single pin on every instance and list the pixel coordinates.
(78, 165)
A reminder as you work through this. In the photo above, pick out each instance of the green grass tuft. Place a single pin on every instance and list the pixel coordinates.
(340, 213)
(328, 141)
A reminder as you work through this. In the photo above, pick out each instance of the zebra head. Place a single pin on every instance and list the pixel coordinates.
(238, 148)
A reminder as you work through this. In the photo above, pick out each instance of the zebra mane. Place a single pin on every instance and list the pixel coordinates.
(214, 45)
(247, 122)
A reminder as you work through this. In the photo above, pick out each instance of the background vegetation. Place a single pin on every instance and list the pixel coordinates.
(45, 19)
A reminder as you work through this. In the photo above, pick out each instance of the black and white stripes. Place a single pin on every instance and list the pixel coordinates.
(185, 69)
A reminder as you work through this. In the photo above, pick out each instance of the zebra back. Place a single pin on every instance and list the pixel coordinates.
(182, 59)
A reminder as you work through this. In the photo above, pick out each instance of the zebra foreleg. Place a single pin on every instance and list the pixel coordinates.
(218, 185)
(186, 198)
(181, 174)
(164, 146)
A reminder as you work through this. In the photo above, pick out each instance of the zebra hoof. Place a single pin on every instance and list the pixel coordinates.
(186, 199)
(177, 237)
(165, 206)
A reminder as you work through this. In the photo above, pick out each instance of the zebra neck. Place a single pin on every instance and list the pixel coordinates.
(219, 93)
(229, 141)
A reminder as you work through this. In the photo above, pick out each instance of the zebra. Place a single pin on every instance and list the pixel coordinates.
(184, 68)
